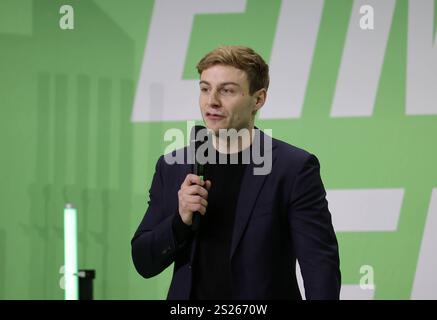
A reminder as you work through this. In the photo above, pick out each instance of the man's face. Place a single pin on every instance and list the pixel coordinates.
(225, 101)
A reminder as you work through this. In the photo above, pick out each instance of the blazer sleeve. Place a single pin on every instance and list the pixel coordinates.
(313, 235)
(153, 244)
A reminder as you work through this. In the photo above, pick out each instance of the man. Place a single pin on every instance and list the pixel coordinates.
(253, 227)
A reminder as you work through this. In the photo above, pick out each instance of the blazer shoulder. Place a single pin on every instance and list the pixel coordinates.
(291, 161)
(289, 154)
(173, 161)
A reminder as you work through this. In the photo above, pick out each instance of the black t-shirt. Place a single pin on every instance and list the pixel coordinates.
(211, 266)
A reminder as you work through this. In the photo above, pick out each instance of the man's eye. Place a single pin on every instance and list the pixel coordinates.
(227, 91)
(204, 89)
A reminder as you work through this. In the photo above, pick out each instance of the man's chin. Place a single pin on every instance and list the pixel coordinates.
(214, 128)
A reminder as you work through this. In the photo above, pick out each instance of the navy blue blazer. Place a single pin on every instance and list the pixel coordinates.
(280, 217)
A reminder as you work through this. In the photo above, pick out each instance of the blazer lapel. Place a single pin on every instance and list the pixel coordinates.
(249, 190)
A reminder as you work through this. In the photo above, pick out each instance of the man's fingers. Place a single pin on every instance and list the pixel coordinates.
(208, 185)
(196, 200)
(197, 208)
(191, 179)
(192, 197)
(196, 190)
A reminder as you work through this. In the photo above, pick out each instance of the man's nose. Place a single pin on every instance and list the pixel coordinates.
(213, 100)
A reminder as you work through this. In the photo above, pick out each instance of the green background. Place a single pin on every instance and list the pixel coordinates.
(66, 98)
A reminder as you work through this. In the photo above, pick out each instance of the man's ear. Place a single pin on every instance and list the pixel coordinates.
(260, 97)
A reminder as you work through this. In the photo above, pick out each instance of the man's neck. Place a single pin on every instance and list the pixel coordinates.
(233, 143)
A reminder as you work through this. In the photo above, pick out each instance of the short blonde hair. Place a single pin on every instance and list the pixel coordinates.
(243, 58)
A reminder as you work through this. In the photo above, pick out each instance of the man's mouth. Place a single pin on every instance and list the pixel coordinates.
(214, 116)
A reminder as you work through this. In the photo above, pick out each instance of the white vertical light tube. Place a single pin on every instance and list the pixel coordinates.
(70, 253)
